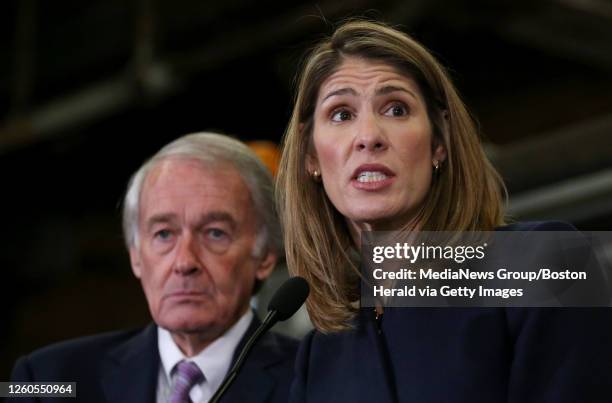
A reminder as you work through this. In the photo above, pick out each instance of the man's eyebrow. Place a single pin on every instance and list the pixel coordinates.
(217, 216)
(159, 219)
(213, 216)
(341, 91)
(387, 89)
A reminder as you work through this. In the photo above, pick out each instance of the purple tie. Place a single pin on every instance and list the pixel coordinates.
(187, 374)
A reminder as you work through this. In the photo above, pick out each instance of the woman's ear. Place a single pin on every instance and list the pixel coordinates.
(439, 153)
(312, 164)
(439, 149)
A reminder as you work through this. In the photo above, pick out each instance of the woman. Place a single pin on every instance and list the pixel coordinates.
(380, 140)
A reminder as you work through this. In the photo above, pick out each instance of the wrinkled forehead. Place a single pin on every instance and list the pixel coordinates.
(180, 183)
(366, 75)
(180, 169)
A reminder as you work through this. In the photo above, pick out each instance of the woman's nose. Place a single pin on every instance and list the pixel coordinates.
(370, 135)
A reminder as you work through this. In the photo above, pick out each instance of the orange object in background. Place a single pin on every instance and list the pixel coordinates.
(268, 152)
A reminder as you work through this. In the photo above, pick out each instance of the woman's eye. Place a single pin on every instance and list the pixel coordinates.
(341, 115)
(396, 110)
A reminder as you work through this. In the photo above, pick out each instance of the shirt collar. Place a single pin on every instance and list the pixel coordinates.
(214, 361)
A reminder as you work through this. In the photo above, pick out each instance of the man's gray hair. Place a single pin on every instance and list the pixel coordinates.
(211, 149)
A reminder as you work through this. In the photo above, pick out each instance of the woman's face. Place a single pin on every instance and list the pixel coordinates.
(373, 144)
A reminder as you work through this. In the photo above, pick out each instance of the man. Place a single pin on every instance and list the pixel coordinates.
(202, 234)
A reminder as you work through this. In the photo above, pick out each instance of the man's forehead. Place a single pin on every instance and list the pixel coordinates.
(210, 217)
(173, 165)
(189, 173)
(183, 183)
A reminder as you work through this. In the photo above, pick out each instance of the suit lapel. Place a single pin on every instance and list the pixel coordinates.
(130, 371)
(254, 384)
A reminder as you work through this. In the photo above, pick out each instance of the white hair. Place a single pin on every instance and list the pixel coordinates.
(212, 148)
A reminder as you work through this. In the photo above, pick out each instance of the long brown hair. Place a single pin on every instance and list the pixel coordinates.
(466, 194)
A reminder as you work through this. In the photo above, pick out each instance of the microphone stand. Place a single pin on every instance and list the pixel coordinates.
(268, 322)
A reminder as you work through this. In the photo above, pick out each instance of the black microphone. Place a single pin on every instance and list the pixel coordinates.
(284, 303)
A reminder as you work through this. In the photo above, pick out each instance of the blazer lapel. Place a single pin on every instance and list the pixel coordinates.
(254, 384)
(130, 371)
(379, 366)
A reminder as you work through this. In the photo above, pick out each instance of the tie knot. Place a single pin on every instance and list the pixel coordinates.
(189, 371)
(187, 374)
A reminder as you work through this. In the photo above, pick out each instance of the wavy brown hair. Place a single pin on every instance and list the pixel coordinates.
(466, 194)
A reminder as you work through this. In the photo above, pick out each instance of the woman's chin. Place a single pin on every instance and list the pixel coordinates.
(371, 220)
(378, 219)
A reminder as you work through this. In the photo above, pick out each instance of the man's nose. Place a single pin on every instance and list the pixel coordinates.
(187, 260)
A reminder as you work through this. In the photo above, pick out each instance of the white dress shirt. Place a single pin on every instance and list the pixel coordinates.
(214, 361)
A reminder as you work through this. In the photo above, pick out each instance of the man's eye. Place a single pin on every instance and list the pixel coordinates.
(163, 234)
(341, 115)
(216, 234)
(396, 110)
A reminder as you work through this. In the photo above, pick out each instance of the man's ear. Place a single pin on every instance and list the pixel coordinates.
(266, 266)
(135, 261)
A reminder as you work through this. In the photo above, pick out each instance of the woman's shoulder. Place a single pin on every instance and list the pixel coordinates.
(537, 226)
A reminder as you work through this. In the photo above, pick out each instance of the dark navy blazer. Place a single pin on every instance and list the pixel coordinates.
(471, 355)
(123, 367)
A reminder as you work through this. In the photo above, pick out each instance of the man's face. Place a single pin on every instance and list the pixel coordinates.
(195, 260)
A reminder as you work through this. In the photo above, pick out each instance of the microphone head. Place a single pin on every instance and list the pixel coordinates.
(289, 297)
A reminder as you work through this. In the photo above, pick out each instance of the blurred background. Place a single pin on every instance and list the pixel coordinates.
(90, 89)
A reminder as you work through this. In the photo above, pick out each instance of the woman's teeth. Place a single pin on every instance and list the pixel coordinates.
(369, 176)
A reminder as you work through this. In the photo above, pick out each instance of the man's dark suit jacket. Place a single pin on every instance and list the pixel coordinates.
(462, 355)
(123, 367)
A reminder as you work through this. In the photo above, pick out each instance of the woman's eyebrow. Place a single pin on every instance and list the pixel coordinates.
(341, 91)
(387, 89)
